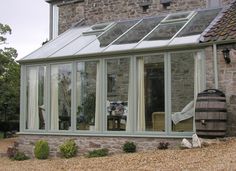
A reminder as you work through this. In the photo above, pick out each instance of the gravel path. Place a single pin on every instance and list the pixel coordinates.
(220, 156)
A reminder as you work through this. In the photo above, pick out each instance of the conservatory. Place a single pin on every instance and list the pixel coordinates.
(135, 77)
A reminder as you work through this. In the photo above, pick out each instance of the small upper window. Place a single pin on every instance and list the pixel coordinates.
(178, 17)
(98, 28)
(213, 3)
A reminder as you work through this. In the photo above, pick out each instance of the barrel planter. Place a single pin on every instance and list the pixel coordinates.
(211, 114)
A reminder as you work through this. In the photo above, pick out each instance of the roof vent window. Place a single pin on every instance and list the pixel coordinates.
(98, 29)
(178, 17)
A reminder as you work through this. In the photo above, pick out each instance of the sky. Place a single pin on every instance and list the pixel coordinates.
(29, 21)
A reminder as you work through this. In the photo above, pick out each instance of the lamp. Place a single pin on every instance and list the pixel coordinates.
(226, 55)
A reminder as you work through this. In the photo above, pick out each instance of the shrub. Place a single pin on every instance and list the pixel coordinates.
(129, 147)
(163, 145)
(14, 154)
(11, 152)
(68, 149)
(41, 149)
(20, 156)
(98, 153)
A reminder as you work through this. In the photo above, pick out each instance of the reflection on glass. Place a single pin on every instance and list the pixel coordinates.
(115, 32)
(109, 36)
(139, 31)
(199, 23)
(117, 94)
(177, 16)
(151, 98)
(61, 97)
(35, 118)
(165, 31)
(86, 95)
(182, 91)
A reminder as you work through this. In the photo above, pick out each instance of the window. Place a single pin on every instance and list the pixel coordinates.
(61, 97)
(213, 3)
(182, 91)
(86, 88)
(199, 23)
(139, 31)
(177, 17)
(97, 29)
(117, 101)
(151, 94)
(36, 114)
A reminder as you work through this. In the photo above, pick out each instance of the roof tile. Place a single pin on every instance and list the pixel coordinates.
(225, 26)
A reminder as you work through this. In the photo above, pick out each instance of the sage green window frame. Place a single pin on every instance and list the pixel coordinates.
(103, 131)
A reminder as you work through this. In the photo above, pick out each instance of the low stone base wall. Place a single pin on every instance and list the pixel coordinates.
(87, 143)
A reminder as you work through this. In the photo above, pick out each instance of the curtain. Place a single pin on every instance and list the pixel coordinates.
(141, 96)
(130, 100)
(98, 94)
(33, 108)
(199, 73)
(54, 98)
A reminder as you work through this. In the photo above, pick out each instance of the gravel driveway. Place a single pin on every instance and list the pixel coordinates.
(220, 156)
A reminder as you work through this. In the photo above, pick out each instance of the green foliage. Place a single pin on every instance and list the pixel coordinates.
(89, 107)
(98, 153)
(20, 156)
(4, 29)
(9, 78)
(68, 149)
(129, 147)
(41, 149)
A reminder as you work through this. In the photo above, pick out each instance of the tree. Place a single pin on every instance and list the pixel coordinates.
(9, 78)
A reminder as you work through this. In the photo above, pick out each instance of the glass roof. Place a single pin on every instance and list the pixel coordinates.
(108, 37)
(172, 29)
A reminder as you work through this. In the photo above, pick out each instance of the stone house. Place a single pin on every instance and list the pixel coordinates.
(125, 70)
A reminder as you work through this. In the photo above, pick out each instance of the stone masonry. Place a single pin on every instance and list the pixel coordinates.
(85, 143)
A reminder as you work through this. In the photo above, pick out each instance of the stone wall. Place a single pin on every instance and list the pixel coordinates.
(85, 143)
(227, 83)
(98, 11)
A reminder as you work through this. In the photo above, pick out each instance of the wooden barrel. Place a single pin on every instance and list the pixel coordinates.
(211, 114)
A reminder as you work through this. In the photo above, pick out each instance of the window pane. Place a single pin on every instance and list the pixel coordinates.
(86, 95)
(108, 37)
(178, 16)
(117, 94)
(182, 91)
(165, 32)
(61, 97)
(36, 116)
(139, 31)
(151, 94)
(199, 23)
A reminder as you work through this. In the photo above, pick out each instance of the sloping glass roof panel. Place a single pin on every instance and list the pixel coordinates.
(127, 35)
(161, 35)
(130, 39)
(57, 43)
(199, 23)
(75, 46)
(139, 31)
(109, 36)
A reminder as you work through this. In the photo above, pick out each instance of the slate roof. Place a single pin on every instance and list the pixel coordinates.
(223, 27)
